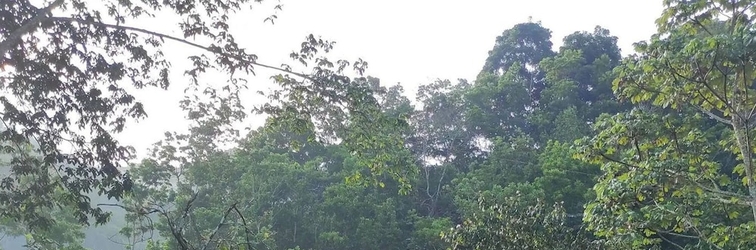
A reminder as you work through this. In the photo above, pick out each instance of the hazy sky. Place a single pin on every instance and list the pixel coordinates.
(410, 41)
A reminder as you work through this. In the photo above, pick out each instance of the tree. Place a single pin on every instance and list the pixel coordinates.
(282, 186)
(279, 198)
(578, 86)
(661, 183)
(231, 198)
(601, 54)
(70, 68)
(525, 44)
(509, 87)
(441, 133)
(664, 177)
(441, 144)
(498, 105)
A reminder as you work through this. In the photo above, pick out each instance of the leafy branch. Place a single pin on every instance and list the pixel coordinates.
(29, 27)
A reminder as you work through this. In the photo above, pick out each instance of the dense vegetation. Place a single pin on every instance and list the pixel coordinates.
(576, 148)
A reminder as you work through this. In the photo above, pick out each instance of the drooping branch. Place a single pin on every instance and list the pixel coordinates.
(177, 39)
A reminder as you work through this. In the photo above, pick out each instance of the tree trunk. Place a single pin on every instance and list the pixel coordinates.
(740, 116)
(744, 145)
(740, 127)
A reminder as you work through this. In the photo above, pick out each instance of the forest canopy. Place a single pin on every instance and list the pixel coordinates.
(574, 147)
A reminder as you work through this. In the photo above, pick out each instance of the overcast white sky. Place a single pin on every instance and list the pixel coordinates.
(411, 42)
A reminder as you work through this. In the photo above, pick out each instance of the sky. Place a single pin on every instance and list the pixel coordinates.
(411, 42)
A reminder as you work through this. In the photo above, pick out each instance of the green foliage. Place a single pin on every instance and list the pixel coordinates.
(514, 221)
(540, 151)
(78, 88)
(565, 179)
(672, 178)
(385, 169)
(517, 52)
(498, 104)
(427, 232)
(658, 175)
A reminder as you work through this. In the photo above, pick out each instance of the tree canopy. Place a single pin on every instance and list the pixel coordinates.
(575, 147)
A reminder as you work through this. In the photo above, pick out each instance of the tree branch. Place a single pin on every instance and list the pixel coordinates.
(669, 241)
(714, 116)
(140, 211)
(177, 234)
(677, 76)
(189, 205)
(609, 158)
(184, 41)
(220, 224)
(246, 228)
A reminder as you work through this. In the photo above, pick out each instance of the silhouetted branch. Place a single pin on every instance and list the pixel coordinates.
(184, 41)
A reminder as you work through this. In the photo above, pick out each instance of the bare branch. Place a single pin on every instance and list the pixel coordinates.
(220, 224)
(189, 205)
(140, 211)
(183, 243)
(714, 116)
(246, 228)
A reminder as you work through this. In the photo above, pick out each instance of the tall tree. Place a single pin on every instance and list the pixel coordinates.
(594, 78)
(525, 44)
(578, 86)
(509, 87)
(441, 134)
(663, 176)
